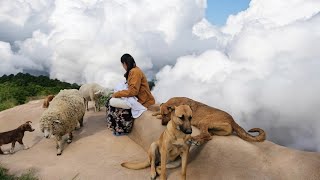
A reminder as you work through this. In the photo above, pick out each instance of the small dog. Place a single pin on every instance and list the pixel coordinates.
(15, 135)
(47, 100)
(173, 142)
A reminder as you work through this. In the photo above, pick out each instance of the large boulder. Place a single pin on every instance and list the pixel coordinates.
(229, 157)
(97, 154)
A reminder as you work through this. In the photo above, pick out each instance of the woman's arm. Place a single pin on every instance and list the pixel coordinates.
(134, 83)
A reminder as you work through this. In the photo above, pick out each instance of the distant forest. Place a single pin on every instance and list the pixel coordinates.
(20, 88)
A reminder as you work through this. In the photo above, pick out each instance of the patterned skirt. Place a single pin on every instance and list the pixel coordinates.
(120, 121)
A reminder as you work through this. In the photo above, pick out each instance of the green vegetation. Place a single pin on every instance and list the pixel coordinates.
(20, 88)
(26, 176)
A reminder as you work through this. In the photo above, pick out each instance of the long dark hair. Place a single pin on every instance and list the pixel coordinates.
(128, 59)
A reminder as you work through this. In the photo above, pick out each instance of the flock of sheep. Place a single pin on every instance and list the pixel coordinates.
(66, 110)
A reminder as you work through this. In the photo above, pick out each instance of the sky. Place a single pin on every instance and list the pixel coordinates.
(261, 65)
(218, 11)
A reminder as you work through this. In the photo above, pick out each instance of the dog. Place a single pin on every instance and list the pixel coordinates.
(172, 143)
(209, 120)
(47, 100)
(15, 135)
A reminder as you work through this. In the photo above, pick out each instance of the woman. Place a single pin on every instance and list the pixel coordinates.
(137, 86)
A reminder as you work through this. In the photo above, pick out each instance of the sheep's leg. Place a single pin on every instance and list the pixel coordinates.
(59, 145)
(87, 104)
(91, 94)
(81, 122)
(24, 146)
(70, 138)
(1, 152)
(12, 147)
(97, 106)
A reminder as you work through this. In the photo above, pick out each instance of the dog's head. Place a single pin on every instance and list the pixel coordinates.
(182, 116)
(165, 112)
(26, 126)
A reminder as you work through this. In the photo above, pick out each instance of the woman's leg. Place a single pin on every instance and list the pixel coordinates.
(118, 103)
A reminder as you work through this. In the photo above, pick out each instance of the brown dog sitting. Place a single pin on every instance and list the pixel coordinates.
(173, 142)
(210, 121)
(15, 135)
(47, 100)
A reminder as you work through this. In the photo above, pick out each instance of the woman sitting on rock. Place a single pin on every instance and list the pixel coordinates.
(130, 99)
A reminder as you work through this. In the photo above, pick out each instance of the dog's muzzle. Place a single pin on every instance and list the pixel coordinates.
(186, 131)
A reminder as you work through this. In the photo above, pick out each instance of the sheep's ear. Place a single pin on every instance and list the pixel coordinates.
(57, 121)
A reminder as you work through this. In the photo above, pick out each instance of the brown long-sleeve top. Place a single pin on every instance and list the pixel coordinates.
(137, 86)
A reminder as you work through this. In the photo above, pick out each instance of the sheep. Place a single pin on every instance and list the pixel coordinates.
(92, 92)
(47, 100)
(66, 110)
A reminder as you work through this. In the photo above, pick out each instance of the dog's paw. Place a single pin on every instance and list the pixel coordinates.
(25, 147)
(153, 176)
(69, 141)
(194, 142)
(59, 154)
(158, 169)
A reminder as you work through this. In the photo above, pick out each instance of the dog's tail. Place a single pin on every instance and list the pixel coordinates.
(246, 136)
(136, 166)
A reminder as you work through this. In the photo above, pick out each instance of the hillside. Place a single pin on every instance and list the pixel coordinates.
(20, 88)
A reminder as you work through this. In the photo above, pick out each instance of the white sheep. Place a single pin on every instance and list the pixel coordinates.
(66, 110)
(92, 92)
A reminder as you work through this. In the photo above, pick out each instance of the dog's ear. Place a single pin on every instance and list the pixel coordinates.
(171, 108)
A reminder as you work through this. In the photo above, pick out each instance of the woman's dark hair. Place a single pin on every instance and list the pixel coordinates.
(128, 59)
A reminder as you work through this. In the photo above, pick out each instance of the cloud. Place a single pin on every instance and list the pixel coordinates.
(265, 77)
(261, 67)
(19, 19)
(82, 41)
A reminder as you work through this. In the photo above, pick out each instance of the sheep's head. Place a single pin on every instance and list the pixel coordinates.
(47, 130)
(56, 127)
(46, 126)
(103, 92)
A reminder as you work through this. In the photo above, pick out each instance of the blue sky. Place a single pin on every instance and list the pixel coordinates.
(218, 10)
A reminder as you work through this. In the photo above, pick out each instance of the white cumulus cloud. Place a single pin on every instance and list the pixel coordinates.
(261, 67)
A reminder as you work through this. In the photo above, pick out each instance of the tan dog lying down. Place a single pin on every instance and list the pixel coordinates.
(172, 143)
(209, 120)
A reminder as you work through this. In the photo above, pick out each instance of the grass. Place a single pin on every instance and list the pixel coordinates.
(7, 104)
(103, 99)
(25, 176)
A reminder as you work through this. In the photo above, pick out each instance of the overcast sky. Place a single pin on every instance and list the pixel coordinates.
(261, 66)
